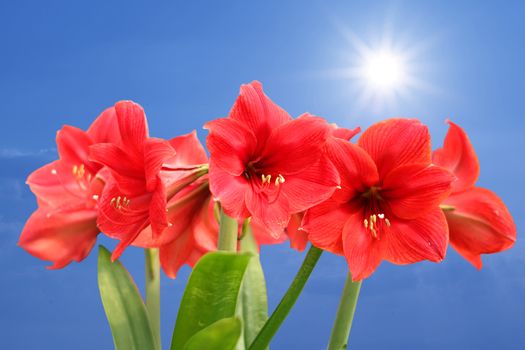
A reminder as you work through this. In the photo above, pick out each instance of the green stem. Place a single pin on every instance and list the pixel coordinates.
(153, 291)
(228, 233)
(345, 315)
(274, 322)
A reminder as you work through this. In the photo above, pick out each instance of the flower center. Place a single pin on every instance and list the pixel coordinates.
(375, 220)
(375, 223)
(82, 176)
(269, 185)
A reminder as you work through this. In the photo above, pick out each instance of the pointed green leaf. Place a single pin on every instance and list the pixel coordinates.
(221, 335)
(253, 298)
(125, 310)
(211, 294)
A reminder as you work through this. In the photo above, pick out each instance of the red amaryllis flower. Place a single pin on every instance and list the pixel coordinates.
(265, 164)
(478, 220)
(64, 228)
(135, 195)
(192, 230)
(388, 204)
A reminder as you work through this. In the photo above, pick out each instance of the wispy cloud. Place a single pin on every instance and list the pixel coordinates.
(10, 153)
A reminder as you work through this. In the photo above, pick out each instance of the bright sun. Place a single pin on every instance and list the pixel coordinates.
(383, 70)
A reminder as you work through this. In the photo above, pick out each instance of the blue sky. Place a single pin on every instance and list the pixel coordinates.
(63, 62)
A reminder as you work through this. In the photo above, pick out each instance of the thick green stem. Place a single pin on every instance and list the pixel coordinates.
(153, 291)
(228, 233)
(345, 315)
(274, 322)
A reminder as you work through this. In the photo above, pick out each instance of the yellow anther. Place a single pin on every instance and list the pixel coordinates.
(373, 224)
(79, 171)
(279, 180)
(266, 178)
(119, 202)
(374, 231)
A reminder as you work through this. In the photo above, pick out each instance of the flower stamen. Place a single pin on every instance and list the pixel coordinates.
(79, 171)
(279, 180)
(266, 178)
(120, 202)
(374, 223)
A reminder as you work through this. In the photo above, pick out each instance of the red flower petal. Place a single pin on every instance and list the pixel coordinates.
(294, 146)
(264, 236)
(117, 159)
(231, 144)
(194, 230)
(157, 210)
(458, 156)
(424, 238)
(255, 110)
(343, 133)
(121, 220)
(229, 190)
(54, 185)
(479, 224)
(362, 251)
(132, 125)
(298, 237)
(395, 142)
(156, 153)
(185, 210)
(73, 147)
(414, 189)
(105, 128)
(189, 150)
(273, 215)
(60, 237)
(324, 224)
(205, 227)
(311, 186)
(176, 253)
(356, 169)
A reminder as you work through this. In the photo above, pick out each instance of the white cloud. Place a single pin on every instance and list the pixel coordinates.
(8, 153)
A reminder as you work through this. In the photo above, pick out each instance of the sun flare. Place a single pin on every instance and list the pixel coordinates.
(383, 70)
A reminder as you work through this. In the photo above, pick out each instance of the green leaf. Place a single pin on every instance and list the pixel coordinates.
(221, 335)
(211, 294)
(125, 310)
(253, 298)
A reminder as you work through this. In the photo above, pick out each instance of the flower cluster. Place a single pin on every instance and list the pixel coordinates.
(384, 197)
